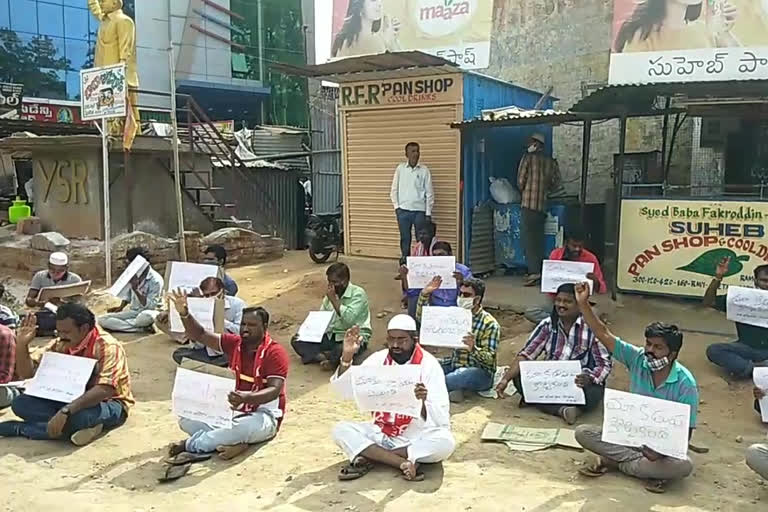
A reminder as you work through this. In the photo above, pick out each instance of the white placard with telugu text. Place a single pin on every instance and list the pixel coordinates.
(315, 326)
(61, 377)
(557, 272)
(636, 420)
(188, 276)
(201, 308)
(747, 305)
(387, 388)
(139, 264)
(445, 326)
(202, 397)
(422, 269)
(551, 382)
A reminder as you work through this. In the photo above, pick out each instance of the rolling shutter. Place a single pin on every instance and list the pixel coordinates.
(375, 145)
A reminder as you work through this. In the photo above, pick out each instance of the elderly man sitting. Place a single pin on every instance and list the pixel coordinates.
(395, 440)
(210, 287)
(144, 296)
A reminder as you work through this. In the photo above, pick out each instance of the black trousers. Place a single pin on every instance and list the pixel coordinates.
(199, 354)
(331, 348)
(593, 395)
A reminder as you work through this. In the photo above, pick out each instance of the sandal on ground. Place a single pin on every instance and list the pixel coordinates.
(186, 458)
(355, 469)
(175, 472)
(656, 486)
(594, 469)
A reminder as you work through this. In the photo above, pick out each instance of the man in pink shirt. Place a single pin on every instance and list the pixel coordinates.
(573, 250)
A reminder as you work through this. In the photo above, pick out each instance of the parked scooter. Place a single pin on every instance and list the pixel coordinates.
(325, 236)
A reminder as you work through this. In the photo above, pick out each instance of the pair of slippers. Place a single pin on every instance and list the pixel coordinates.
(597, 469)
(178, 465)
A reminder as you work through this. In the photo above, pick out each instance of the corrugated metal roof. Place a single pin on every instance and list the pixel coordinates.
(523, 117)
(11, 126)
(640, 98)
(372, 67)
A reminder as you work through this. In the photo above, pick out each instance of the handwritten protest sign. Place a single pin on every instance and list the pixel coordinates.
(188, 276)
(557, 272)
(120, 287)
(445, 327)
(551, 382)
(760, 375)
(387, 388)
(314, 326)
(422, 269)
(636, 420)
(200, 308)
(747, 305)
(202, 397)
(61, 377)
(63, 291)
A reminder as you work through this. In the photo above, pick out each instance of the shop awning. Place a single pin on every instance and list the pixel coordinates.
(527, 117)
(372, 67)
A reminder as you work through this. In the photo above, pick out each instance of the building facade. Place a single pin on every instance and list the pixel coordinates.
(222, 53)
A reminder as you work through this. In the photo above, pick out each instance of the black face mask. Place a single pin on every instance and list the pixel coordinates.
(402, 357)
(340, 290)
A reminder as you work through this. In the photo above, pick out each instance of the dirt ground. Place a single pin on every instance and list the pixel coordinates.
(297, 470)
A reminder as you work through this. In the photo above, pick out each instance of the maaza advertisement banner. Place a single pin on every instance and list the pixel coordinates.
(457, 30)
(673, 247)
(103, 92)
(680, 41)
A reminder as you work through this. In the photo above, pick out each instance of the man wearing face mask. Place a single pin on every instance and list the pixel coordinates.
(349, 304)
(472, 368)
(654, 371)
(58, 274)
(395, 440)
(107, 397)
(211, 288)
(537, 175)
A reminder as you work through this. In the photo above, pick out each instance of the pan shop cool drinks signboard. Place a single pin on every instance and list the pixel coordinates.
(673, 247)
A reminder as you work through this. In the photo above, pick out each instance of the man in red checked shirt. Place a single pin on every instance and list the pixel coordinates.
(7, 365)
(573, 250)
(260, 365)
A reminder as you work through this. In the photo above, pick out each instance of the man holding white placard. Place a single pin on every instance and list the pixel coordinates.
(349, 304)
(395, 440)
(564, 336)
(471, 368)
(144, 295)
(57, 274)
(654, 371)
(750, 350)
(260, 365)
(107, 397)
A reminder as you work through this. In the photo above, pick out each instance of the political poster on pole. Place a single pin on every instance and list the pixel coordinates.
(103, 92)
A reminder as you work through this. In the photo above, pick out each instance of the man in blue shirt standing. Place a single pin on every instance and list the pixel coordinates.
(654, 371)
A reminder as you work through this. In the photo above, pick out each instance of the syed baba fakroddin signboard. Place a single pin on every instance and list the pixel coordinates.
(666, 41)
(673, 247)
(456, 30)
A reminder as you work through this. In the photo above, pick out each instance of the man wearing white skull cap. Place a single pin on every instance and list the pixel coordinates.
(395, 440)
(57, 274)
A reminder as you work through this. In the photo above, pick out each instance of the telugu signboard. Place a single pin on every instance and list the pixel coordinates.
(10, 95)
(49, 112)
(401, 91)
(103, 92)
(456, 30)
(682, 41)
(673, 247)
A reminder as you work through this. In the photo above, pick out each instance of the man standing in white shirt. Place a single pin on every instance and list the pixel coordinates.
(395, 440)
(412, 195)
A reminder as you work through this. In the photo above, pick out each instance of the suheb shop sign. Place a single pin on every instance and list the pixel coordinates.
(402, 91)
(673, 247)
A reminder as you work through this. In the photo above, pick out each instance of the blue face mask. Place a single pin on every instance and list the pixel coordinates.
(656, 364)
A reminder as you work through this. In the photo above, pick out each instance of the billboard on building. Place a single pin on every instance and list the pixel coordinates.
(673, 247)
(50, 112)
(457, 30)
(674, 41)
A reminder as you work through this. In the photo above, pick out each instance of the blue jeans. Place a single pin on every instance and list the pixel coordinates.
(406, 219)
(467, 379)
(736, 358)
(37, 412)
(248, 429)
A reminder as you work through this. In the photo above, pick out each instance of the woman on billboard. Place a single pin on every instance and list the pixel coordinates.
(366, 31)
(663, 25)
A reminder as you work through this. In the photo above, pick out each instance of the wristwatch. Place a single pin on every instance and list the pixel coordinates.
(65, 411)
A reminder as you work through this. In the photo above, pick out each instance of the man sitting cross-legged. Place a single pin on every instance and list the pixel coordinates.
(260, 365)
(107, 396)
(395, 440)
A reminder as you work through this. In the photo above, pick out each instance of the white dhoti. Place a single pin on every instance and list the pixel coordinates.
(428, 445)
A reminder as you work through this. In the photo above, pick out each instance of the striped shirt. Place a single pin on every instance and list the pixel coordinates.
(579, 344)
(487, 333)
(680, 385)
(536, 176)
(7, 354)
(111, 363)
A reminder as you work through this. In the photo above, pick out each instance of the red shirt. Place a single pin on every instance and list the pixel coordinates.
(275, 363)
(584, 257)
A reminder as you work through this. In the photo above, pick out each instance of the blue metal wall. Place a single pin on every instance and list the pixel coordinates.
(487, 152)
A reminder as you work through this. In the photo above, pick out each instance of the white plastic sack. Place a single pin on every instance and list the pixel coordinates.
(503, 192)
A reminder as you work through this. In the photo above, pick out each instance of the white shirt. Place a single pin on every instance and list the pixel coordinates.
(412, 189)
(437, 403)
